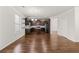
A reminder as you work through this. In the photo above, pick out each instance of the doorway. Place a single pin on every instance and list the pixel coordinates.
(37, 25)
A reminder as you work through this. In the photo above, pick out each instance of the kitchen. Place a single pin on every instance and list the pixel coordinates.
(34, 24)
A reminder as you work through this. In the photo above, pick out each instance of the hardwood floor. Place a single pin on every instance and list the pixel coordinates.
(41, 42)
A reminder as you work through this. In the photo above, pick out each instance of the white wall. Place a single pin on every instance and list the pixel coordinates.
(76, 24)
(66, 24)
(7, 26)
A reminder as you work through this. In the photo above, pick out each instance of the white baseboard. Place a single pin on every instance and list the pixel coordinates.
(10, 42)
(69, 37)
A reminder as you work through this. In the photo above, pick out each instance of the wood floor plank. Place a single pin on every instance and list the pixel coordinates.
(41, 42)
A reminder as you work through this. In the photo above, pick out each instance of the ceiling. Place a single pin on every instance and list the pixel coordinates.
(42, 11)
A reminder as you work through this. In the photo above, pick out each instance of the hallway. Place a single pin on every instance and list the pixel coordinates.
(40, 42)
